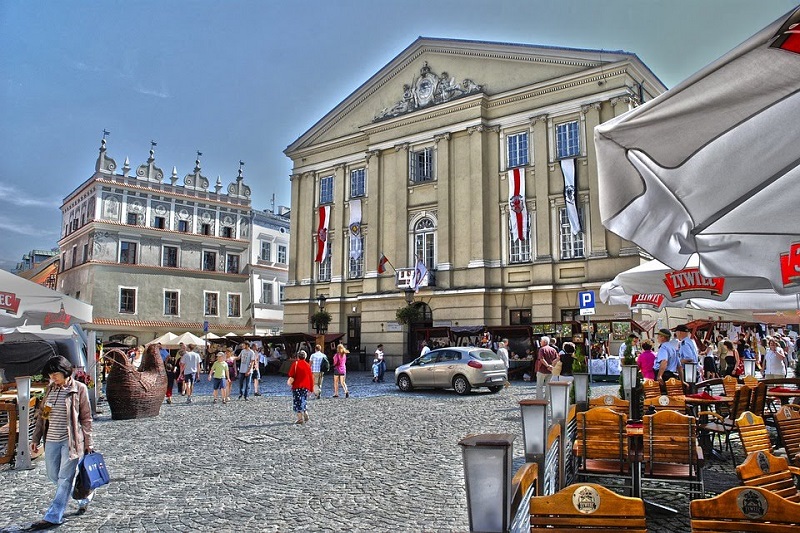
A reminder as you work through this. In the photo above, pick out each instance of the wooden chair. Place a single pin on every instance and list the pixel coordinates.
(750, 509)
(652, 388)
(665, 403)
(612, 402)
(717, 425)
(758, 398)
(729, 384)
(601, 446)
(750, 381)
(587, 507)
(762, 469)
(674, 387)
(526, 477)
(788, 421)
(8, 432)
(670, 451)
(753, 433)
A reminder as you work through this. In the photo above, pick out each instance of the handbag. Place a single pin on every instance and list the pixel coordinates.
(557, 368)
(92, 474)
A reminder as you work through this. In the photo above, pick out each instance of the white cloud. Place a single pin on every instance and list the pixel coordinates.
(11, 195)
(21, 228)
(152, 92)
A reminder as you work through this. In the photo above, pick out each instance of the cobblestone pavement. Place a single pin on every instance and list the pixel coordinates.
(378, 461)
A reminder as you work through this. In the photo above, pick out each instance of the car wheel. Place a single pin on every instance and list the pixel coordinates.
(404, 383)
(495, 389)
(461, 385)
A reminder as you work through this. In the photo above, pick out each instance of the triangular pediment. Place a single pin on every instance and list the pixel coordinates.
(435, 72)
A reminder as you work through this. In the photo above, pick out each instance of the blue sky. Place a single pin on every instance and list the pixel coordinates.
(243, 79)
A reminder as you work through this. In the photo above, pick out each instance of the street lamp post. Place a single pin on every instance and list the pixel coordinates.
(319, 326)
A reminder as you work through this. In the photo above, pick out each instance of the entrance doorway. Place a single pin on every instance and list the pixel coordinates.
(425, 320)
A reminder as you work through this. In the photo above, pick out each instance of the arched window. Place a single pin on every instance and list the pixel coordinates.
(425, 241)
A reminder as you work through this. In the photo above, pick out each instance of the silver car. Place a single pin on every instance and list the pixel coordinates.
(459, 368)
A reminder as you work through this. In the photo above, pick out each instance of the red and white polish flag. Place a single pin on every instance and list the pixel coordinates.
(322, 233)
(517, 209)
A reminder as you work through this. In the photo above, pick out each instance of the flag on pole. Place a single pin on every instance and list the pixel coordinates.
(322, 233)
(420, 271)
(382, 264)
(568, 169)
(355, 229)
(517, 209)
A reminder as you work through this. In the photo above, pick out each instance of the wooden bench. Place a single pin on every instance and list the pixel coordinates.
(588, 507)
(674, 387)
(750, 509)
(665, 403)
(526, 477)
(651, 388)
(762, 469)
(612, 402)
(8, 431)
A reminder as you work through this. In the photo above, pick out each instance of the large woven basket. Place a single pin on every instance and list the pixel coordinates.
(133, 393)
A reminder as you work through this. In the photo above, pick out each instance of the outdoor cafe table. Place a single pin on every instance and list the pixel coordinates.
(785, 396)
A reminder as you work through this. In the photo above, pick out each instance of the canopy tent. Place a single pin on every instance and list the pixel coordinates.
(165, 339)
(24, 302)
(186, 338)
(711, 166)
(655, 285)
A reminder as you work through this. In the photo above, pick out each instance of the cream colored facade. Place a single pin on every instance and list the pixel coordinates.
(457, 105)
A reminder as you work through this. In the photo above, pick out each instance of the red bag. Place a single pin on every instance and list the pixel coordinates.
(739, 370)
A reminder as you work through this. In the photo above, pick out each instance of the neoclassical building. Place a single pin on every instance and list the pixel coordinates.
(154, 256)
(476, 160)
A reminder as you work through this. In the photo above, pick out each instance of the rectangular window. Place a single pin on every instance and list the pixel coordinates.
(326, 190)
(266, 292)
(266, 251)
(281, 254)
(227, 232)
(183, 226)
(159, 222)
(519, 251)
(520, 317)
(127, 252)
(211, 306)
(205, 229)
(127, 301)
(358, 183)
(234, 305)
(324, 267)
(571, 245)
(518, 150)
(422, 165)
(132, 218)
(567, 140)
(169, 256)
(232, 264)
(171, 303)
(75, 255)
(281, 291)
(85, 253)
(356, 266)
(209, 261)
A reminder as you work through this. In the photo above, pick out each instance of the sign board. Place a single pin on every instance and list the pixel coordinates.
(394, 326)
(586, 302)
(205, 326)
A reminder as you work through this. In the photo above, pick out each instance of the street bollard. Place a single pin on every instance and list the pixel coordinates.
(535, 426)
(488, 471)
(23, 457)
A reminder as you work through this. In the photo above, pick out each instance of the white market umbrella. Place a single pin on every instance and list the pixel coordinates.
(23, 302)
(186, 338)
(655, 285)
(711, 166)
(165, 339)
(212, 337)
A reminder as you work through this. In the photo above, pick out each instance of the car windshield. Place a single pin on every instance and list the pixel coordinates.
(484, 355)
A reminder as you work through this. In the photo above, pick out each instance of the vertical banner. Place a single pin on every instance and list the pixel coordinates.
(568, 169)
(420, 271)
(322, 233)
(355, 229)
(517, 209)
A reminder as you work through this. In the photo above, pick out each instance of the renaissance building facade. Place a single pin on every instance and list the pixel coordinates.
(269, 268)
(470, 167)
(154, 256)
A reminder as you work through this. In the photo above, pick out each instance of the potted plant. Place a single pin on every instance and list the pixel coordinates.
(320, 320)
(407, 314)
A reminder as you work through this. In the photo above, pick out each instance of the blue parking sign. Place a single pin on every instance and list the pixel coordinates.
(586, 302)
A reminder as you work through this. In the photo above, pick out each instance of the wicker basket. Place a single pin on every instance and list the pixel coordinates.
(133, 393)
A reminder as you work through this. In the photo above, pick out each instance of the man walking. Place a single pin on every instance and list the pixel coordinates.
(247, 360)
(319, 364)
(190, 368)
(379, 355)
(545, 360)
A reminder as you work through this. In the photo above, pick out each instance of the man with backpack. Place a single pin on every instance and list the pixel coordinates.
(319, 364)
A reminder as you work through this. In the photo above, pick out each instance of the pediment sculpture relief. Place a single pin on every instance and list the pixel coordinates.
(427, 90)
